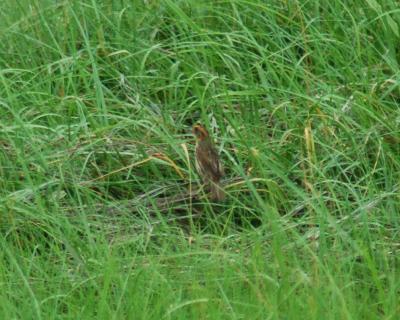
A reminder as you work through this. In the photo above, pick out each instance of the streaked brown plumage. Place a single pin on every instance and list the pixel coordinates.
(208, 163)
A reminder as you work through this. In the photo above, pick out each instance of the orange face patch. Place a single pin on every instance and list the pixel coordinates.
(200, 132)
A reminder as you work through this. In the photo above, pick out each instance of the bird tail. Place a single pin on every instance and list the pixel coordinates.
(217, 192)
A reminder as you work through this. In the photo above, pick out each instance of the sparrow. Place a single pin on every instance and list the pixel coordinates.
(207, 162)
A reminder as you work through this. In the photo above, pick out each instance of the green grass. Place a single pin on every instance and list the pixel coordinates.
(302, 98)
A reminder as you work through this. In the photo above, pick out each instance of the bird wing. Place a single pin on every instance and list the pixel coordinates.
(211, 160)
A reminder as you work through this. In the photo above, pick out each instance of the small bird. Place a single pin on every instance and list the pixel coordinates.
(207, 162)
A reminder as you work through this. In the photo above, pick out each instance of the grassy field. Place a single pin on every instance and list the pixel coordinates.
(97, 101)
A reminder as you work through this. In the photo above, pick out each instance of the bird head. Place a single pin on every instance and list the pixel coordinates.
(200, 132)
